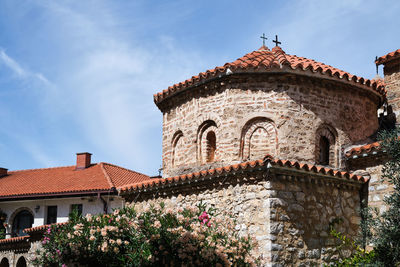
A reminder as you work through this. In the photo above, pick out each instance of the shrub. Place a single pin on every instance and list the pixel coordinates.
(3, 218)
(157, 236)
(387, 231)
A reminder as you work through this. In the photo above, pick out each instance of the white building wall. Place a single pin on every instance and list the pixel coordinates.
(92, 205)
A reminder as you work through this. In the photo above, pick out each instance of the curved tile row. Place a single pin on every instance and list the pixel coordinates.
(242, 166)
(268, 59)
(387, 57)
(319, 169)
(41, 228)
(13, 239)
(356, 151)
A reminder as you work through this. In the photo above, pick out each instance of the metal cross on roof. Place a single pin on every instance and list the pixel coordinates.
(264, 38)
(377, 70)
(277, 43)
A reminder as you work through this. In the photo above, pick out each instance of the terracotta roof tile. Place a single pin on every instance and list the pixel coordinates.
(268, 60)
(41, 228)
(242, 166)
(388, 57)
(361, 150)
(97, 177)
(13, 239)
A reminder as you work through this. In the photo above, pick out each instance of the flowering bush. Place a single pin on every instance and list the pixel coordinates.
(3, 224)
(191, 236)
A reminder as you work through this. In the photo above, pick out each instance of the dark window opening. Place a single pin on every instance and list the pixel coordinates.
(4, 263)
(23, 220)
(77, 208)
(21, 262)
(211, 146)
(51, 214)
(324, 151)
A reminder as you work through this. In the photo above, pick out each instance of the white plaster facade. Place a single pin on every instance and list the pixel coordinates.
(38, 207)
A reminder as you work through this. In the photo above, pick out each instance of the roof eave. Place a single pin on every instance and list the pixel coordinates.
(283, 70)
(112, 191)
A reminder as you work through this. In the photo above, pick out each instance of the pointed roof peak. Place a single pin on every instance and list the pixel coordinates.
(263, 48)
(277, 48)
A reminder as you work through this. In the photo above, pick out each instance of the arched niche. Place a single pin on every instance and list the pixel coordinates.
(325, 146)
(178, 149)
(258, 138)
(21, 219)
(4, 263)
(207, 142)
(21, 262)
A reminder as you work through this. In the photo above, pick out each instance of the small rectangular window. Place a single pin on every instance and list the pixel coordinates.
(51, 214)
(77, 207)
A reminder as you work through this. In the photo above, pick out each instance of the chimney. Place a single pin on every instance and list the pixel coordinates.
(3, 172)
(83, 160)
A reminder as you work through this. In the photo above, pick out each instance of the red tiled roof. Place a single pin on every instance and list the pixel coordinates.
(361, 150)
(66, 180)
(13, 239)
(242, 166)
(41, 228)
(388, 57)
(271, 60)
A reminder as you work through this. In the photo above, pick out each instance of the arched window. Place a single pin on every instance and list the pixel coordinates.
(258, 139)
(207, 142)
(24, 219)
(21, 262)
(325, 146)
(324, 151)
(178, 149)
(4, 263)
(211, 146)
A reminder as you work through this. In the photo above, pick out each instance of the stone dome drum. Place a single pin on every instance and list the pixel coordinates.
(266, 102)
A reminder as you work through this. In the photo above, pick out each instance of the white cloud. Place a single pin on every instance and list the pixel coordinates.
(107, 87)
(14, 66)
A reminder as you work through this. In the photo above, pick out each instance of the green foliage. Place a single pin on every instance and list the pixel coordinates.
(3, 218)
(387, 238)
(358, 256)
(191, 236)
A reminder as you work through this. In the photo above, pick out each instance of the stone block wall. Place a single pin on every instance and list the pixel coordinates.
(17, 256)
(256, 115)
(378, 188)
(300, 216)
(288, 214)
(392, 84)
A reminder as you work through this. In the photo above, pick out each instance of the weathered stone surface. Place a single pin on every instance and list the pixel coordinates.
(255, 116)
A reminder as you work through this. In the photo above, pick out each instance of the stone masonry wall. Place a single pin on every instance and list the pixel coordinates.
(288, 215)
(291, 109)
(378, 188)
(14, 256)
(300, 217)
(392, 85)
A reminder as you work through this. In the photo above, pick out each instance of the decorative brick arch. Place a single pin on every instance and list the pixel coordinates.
(178, 149)
(326, 133)
(207, 140)
(209, 117)
(259, 138)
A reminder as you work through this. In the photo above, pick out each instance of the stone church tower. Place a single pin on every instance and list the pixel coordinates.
(266, 102)
(271, 138)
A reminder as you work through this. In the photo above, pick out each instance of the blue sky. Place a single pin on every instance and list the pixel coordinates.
(79, 75)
